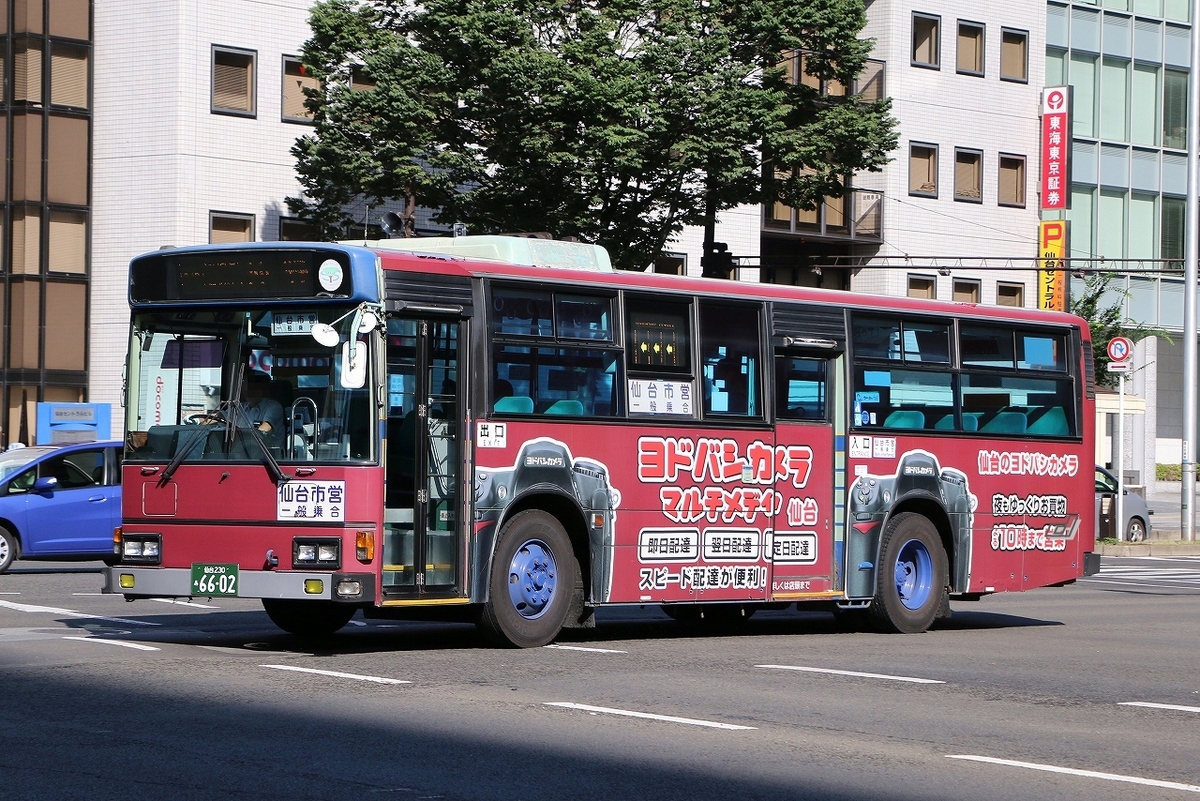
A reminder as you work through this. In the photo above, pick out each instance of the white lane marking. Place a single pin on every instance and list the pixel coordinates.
(1116, 583)
(89, 594)
(183, 603)
(71, 613)
(135, 645)
(911, 679)
(1149, 705)
(667, 718)
(356, 623)
(10, 593)
(1088, 774)
(581, 648)
(336, 675)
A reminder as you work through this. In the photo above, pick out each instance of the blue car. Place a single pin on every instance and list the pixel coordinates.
(59, 502)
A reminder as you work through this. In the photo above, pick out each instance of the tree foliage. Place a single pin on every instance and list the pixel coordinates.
(615, 122)
(1102, 305)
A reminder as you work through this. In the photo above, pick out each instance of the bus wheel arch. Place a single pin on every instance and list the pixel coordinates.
(533, 578)
(910, 580)
(566, 511)
(308, 618)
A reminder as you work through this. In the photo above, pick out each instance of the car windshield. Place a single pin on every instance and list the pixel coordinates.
(224, 384)
(13, 460)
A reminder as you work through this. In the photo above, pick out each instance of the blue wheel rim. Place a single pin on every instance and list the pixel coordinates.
(914, 574)
(532, 579)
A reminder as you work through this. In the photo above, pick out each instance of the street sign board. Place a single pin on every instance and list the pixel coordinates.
(1120, 349)
(1118, 367)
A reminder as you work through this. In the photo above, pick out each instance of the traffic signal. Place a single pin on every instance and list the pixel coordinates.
(717, 262)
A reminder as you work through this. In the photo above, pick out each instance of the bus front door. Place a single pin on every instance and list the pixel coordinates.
(422, 553)
(802, 547)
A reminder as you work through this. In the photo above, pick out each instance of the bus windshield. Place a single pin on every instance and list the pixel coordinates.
(222, 384)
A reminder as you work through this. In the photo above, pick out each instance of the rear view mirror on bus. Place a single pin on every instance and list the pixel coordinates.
(325, 334)
(354, 365)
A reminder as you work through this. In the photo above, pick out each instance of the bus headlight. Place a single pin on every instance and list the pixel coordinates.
(141, 548)
(324, 552)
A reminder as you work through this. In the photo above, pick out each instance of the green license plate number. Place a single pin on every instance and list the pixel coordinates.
(213, 581)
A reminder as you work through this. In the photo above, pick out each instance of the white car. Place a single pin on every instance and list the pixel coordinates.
(1136, 512)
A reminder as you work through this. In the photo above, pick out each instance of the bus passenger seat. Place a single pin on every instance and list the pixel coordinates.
(1006, 423)
(1053, 423)
(569, 407)
(514, 404)
(945, 423)
(970, 421)
(905, 418)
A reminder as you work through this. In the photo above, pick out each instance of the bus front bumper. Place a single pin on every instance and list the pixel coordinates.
(166, 582)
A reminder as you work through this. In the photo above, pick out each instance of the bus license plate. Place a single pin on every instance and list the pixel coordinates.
(214, 580)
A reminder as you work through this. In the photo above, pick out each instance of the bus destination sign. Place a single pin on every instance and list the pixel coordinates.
(228, 275)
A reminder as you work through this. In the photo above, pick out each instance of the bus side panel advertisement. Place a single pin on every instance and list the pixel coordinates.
(692, 515)
(1020, 512)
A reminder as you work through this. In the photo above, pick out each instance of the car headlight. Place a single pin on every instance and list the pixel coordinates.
(141, 548)
(322, 552)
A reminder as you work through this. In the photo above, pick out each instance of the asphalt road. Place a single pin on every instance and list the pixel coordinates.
(1017, 697)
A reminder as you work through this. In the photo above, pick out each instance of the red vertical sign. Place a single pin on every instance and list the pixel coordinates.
(1056, 148)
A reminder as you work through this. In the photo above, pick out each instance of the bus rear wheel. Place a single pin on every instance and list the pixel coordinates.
(307, 618)
(910, 581)
(532, 579)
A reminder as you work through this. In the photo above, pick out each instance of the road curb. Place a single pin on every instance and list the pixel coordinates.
(1150, 549)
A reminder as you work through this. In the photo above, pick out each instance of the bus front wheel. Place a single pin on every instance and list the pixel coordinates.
(533, 572)
(910, 581)
(307, 618)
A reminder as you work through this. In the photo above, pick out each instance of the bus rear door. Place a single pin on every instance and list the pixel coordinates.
(802, 545)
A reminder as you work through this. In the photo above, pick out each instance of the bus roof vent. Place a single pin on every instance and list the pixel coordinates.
(528, 251)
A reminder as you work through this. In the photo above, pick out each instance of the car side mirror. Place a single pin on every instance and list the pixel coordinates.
(45, 484)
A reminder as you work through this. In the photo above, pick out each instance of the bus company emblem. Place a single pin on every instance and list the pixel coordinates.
(545, 461)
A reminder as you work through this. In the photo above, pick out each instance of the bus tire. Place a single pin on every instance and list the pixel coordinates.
(10, 549)
(910, 581)
(533, 573)
(307, 618)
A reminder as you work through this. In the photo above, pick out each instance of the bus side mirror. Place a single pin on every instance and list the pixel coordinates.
(353, 372)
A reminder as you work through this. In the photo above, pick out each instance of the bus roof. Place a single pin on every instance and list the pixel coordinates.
(444, 264)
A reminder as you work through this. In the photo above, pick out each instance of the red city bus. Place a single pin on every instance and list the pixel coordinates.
(456, 433)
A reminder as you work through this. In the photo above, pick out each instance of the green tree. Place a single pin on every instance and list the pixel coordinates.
(1102, 305)
(616, 122)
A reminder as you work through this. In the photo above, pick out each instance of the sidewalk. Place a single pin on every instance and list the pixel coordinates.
(1163, 499)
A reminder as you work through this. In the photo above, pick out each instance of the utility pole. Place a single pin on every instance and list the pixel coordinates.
(1191, 253)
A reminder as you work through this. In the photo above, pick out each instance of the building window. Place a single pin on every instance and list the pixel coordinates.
(869, 85)
(922, 286)
(66, 305)
(968, 175)
(926, 31)
(225, 226)
(970, 48)
(296, 78)
(360, 79)
(233, 82)
(966, 291)
(922, 170)
(67, 242)
(27, 72)
(1175, 92)
(1174, 212)
(671, 264)
(1010, 295)
(68, 75)
(1014, 55)
(294, 229)
(1011, 188)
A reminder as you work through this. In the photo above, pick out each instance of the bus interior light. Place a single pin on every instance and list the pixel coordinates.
(364, 546)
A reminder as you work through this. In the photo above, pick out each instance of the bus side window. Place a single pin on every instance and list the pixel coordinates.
(799, 388)
(730, 359)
